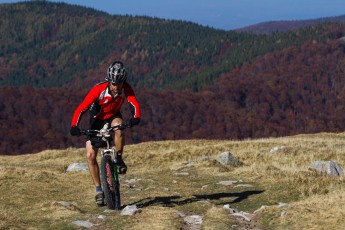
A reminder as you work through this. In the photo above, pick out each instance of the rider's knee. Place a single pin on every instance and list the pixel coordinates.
(91, 157)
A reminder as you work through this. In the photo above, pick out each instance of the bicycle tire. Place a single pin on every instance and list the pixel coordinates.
(111, 187)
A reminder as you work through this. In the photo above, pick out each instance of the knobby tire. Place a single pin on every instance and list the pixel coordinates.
(111, 188)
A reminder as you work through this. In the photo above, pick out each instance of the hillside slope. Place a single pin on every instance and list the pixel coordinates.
(47, 44)
(191, 81)
(298, 90)
(172, 180)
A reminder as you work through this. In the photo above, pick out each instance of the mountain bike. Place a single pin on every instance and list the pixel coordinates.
(109, 169)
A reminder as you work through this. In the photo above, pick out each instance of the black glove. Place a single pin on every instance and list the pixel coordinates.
(133, 121)
(75, 131)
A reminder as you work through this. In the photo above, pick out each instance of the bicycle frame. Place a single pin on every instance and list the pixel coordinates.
(111, 152)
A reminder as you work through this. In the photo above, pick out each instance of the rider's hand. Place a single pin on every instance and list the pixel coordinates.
(75, 131)
(133, 121)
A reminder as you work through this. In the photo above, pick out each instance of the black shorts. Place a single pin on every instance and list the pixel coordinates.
(97, 124)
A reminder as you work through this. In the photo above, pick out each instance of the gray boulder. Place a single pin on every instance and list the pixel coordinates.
(78, 167)
(226, 158)
(130, 210)
(328, 167)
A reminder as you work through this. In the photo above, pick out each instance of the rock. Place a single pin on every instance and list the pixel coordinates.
(130, 210)
(131, 181)
(109, 211)
(277, 148)
(101, 217)
(85, 224)
(241, 215)
(189, 165)
(193, 220)
(181, 214)
(280, 204)
(231, 210)
(328, 167)
(261, 208)
(226, 158)
(78, 167)
(227, 183)
(181, 174)
(243, 185)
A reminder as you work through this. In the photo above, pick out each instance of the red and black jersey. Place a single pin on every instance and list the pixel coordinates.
(103, 105)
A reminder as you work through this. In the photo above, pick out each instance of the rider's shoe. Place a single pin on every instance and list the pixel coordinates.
(122, 167)
(99, 198)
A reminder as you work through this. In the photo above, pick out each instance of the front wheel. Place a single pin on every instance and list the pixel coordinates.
(110, 182)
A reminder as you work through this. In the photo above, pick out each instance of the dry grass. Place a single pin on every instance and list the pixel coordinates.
(177, 178)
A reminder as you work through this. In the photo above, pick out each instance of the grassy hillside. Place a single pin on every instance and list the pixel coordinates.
(174, 177)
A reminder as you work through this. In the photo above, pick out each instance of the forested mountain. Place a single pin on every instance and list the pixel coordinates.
(280, 26)
(191, 81)
(47, 44)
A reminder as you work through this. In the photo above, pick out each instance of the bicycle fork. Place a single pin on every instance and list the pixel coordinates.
(112, 152)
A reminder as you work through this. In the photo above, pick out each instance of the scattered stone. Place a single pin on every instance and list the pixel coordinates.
(193, 221)
(132, 181)
(204, 186)
(181, 214)
(226, 158)
(277, 148)
(241, 215)
(101, 217)
(77, 167)
(109, 211)
(231, 210)
(85, 224)
(280, 204)
(243, 185)
(261, 208)
(130, 210)
(189, 165)
(150, 187)
(181, 174)
(227, 183)
(328, 167)
(283, 213)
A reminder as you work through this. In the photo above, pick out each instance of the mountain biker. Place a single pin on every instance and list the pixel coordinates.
(104, 101)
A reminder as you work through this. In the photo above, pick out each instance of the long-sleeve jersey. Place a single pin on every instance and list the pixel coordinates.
(103, 105)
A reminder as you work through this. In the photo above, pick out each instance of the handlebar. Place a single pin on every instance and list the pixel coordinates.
(105, 131)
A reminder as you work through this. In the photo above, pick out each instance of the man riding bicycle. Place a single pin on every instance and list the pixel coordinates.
(104, 102)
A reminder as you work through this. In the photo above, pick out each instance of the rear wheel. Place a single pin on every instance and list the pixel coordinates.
(111, 185)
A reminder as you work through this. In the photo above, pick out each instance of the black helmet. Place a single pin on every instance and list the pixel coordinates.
(116, 73)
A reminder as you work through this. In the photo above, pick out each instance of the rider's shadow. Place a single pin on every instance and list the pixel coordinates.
(171, 201)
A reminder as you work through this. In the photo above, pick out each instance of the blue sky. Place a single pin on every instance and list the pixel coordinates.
(219, 14)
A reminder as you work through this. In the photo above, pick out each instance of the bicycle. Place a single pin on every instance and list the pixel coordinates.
(109, 169)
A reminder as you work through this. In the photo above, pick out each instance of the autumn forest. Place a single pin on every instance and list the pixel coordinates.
(191, 81)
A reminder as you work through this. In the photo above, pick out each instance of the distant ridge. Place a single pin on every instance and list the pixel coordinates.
(281, 26)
